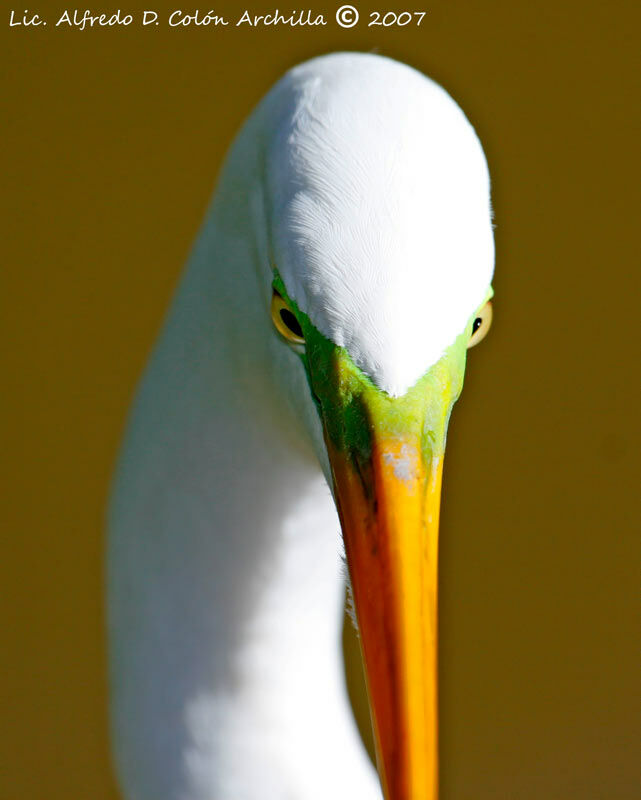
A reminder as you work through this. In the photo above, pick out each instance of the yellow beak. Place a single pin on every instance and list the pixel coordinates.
(389, 508)
(386, 456)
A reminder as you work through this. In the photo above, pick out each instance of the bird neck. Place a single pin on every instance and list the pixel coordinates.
(225, 583)
(226, 596)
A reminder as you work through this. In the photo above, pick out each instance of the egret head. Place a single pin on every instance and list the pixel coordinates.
(379, 212)
(376, 202)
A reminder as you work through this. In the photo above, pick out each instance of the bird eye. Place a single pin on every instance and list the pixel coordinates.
(481, 325)
(286, 323)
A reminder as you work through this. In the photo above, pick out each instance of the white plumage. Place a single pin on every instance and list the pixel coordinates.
(362, 182)
(377, 201)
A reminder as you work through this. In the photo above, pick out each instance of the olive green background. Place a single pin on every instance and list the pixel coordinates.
(114, 139)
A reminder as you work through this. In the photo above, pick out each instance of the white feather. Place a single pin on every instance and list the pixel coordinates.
(378, 206)
(364, 184)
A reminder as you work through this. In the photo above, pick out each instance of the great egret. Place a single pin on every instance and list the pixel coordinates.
(340, 276)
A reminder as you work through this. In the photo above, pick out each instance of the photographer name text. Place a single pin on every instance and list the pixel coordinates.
(345, 16)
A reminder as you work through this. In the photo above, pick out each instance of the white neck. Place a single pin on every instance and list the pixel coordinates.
(225, 583)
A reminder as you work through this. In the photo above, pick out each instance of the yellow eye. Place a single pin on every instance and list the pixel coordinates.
(286, 323)
(481, 325)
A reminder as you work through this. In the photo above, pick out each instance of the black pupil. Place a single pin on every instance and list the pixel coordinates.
(292, 323)
(477, 324)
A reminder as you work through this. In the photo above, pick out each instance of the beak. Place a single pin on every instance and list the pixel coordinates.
(389, 509)
(387, 484)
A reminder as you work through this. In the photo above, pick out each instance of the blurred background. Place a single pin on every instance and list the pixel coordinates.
(114, 138)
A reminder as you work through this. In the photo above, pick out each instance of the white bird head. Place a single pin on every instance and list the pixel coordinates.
(378, 208)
